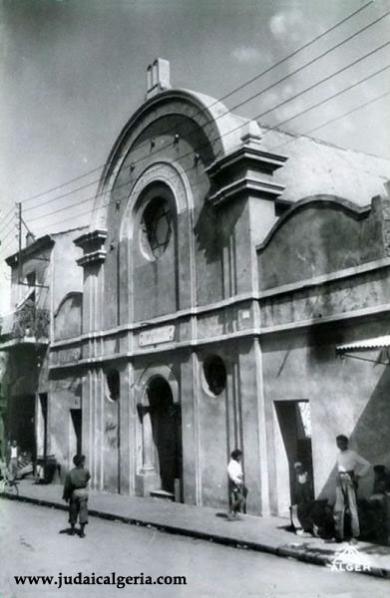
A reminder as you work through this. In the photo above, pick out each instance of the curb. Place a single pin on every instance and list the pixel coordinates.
(283, 551)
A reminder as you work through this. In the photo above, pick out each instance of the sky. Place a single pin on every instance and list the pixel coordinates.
(72, 72)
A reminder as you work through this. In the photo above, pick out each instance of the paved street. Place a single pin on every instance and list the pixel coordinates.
(31, 544)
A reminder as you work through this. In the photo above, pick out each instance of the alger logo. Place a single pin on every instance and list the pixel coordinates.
(349, 559)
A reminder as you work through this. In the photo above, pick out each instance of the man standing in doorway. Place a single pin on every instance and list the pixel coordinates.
(350, 466)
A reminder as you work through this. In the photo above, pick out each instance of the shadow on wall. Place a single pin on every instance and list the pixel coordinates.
(214, 228)
(370, 436)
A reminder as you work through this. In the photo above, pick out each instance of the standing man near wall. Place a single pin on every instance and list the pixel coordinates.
(350, 466)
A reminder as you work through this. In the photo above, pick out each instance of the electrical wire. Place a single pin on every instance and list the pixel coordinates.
(351, 86)
(332, 120)
(235, 90)
(314, 85)
(355, 109)
(7, 222)
(331, 97)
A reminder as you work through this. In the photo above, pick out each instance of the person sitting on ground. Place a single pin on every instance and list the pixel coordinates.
(76, 493)
(237, 490)
(303, 497)
(381, 481)
(323, 520)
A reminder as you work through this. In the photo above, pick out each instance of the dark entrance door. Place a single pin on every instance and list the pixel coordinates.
(166, 427)
(21, 424)
(295, 428)
(76, 440)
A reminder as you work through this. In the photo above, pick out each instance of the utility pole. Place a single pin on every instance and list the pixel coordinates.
(19, 213)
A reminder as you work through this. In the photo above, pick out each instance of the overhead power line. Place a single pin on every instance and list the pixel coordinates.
(314, 85)
(5, 222)
(235, 90)
(262, 114)
(332, 120)
(329, 98)
(355, 109)
(6, 228)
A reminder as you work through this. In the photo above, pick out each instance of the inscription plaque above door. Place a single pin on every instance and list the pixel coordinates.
(163, 334)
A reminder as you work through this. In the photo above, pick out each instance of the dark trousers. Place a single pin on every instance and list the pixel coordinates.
(237, 498)
(78, 507)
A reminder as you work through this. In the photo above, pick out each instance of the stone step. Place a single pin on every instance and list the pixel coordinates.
(164, 494)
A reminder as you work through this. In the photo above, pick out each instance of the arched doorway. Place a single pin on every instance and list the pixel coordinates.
(166, 431)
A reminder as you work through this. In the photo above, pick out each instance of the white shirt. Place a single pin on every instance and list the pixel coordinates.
(234, 470)
(14, 452)
(349, 460)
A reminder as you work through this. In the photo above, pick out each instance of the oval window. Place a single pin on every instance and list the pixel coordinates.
(215, 374)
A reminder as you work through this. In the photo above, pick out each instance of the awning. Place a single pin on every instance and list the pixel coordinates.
(369, 344)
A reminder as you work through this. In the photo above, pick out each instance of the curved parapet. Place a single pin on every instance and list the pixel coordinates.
(318, 235)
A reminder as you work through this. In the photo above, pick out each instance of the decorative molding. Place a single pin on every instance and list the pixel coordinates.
(230, 302)
(246, 170)
(91, 242)
(96, 237)
(324, 279)
(247, 185)
(94, 257)
(243, 334)
(259, 158)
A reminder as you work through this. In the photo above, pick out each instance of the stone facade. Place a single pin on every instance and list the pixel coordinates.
(213, 300)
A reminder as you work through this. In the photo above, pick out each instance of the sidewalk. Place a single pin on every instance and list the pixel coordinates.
(264, 534)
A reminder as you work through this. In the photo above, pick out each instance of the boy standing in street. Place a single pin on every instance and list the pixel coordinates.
(237, 490)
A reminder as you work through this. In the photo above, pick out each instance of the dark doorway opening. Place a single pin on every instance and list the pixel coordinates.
(21, 424)
(166, 428)
(295, 427)
(76, 435)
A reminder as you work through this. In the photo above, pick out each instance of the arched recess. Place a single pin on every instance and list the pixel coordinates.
(160, 465)
(150, 287)
(68, 316)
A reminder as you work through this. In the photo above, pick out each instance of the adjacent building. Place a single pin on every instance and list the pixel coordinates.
(225, 268)
(44, 282)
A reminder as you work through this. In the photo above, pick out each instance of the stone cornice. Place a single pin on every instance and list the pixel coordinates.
(263, 160)
(94, 257)
(96, 238)
(248, 186)
(246, 171)
(92, 242)
(257, 332)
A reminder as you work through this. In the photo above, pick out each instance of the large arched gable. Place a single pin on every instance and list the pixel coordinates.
(221, 129)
